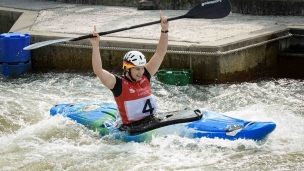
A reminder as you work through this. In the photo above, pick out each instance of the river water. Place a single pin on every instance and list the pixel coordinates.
(30, 139)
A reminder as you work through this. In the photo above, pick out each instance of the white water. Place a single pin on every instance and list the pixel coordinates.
(32, 140)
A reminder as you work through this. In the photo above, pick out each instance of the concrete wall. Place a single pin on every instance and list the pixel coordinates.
(245, 58)
(268, 7)
(291, 60)
(7, 20)
(129, 3)
(255, 7)
(161, 4)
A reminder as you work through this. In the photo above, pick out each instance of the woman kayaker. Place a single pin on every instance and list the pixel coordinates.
(132, 91)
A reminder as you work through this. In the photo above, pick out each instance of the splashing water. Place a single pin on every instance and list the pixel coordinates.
(32, 140)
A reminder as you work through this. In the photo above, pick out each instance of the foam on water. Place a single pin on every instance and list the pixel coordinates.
(30, 139)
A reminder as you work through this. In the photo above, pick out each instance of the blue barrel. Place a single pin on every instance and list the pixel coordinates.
(11, 47)
(15, 69)
(14, 61)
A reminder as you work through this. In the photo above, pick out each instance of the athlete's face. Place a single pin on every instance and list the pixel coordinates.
(137, 72)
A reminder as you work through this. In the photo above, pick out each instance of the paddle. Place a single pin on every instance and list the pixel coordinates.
(207, 10)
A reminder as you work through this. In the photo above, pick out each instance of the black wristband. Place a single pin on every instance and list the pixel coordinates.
(166, 31)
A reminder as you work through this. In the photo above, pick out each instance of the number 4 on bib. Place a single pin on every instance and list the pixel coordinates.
(148, 107)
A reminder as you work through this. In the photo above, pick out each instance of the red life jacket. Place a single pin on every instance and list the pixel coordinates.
(136, 101)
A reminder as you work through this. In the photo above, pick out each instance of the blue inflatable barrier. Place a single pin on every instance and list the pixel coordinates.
(14, 60)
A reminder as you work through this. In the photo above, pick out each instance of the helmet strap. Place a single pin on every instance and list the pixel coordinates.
(129, 73)
(132, 79)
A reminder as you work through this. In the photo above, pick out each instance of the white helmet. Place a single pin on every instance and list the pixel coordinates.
(134, 59)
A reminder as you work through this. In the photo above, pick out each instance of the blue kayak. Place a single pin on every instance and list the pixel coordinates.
(104, 118)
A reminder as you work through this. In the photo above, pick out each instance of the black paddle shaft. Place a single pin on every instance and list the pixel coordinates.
(208, 10)
(123, 29)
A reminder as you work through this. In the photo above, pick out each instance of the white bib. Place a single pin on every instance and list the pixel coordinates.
(137, 109)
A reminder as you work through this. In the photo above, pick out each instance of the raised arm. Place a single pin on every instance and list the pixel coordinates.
(161, 50)
(105, 77)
